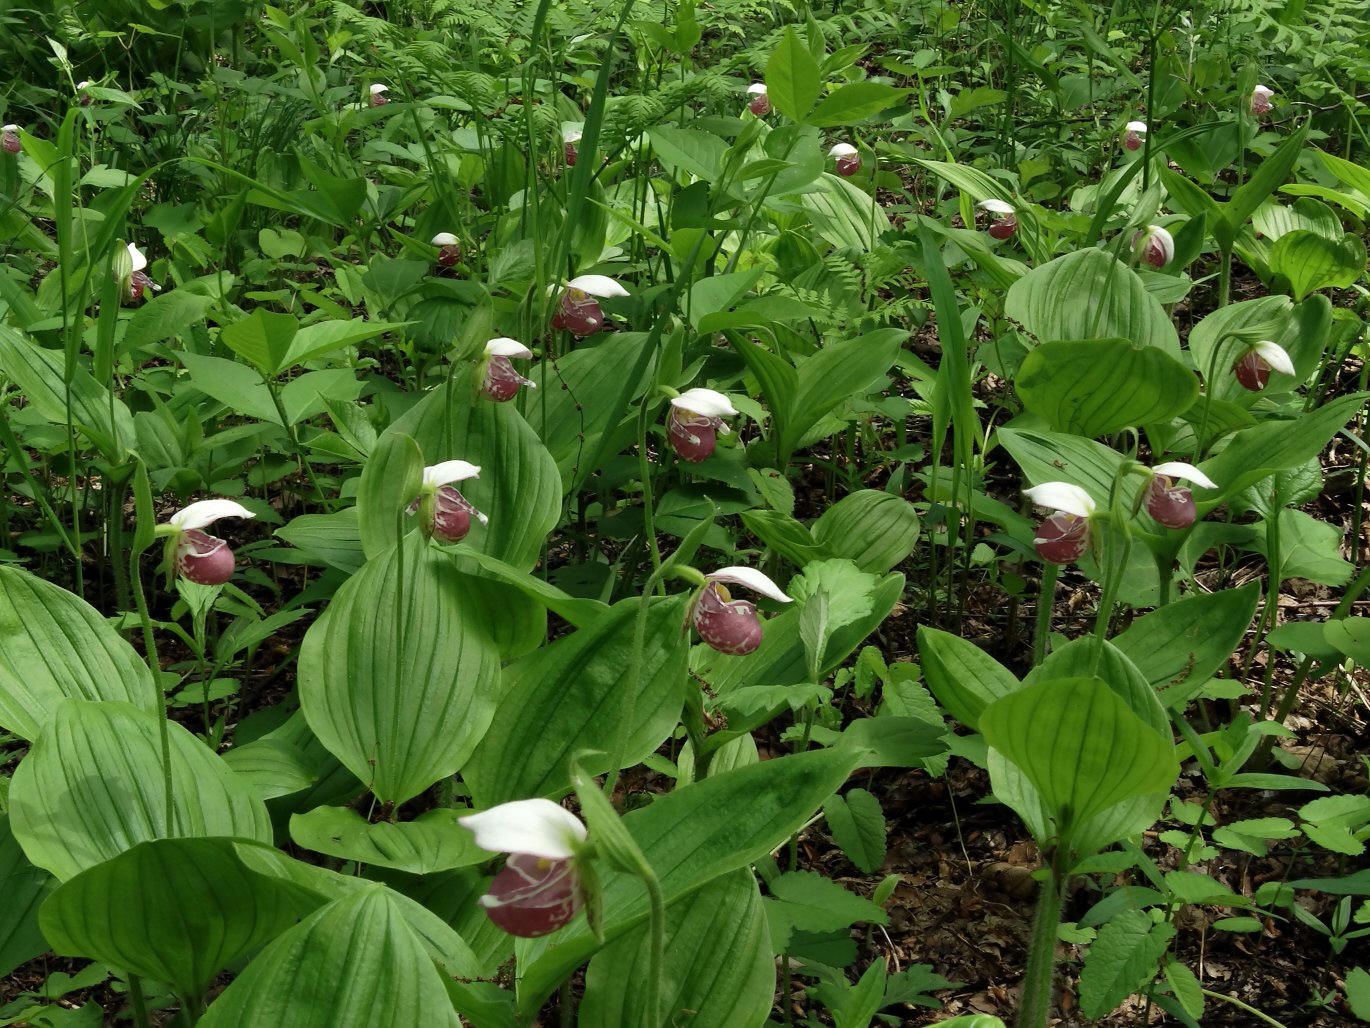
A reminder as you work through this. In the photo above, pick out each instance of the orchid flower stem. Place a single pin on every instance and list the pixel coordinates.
(645, 473)
(138, 1001)
(1260, 1016)
(1046, 599)
(1035, 998)
(1113, 578)
(150, 648)
(1269, 609)
(627, 715)
(656, 955)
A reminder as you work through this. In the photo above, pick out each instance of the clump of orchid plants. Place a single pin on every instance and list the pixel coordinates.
(540, 888)
(1153, 245)
(1254, 366)
(1260, 101)
(194, 554)
(728, 625)
(760, 102)
(1003, 218)
(694, 421)
(578, 310)
(444, 513)
(847, 158)
(1134, 133)
(449, 249)
(9, 139)
(500, 381)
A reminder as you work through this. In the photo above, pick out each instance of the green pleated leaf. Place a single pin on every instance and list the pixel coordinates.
(22, 888)
(391, 478)
(1309, 261)
(964, 678)
(354, 963)
(1046, 456)
(1086, 657)
(1189, 639)
(92, 787)
(570, 696)
(1096, 386)
(173, 910)
(874, 529)
(399, 681)
(54, 646)
(431, 842)
(1089, 294)
(519, 488)
(1079, 745)
(720, 968)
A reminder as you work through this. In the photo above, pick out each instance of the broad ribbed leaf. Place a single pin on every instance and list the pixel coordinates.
(1214, 349)
(571, 695)
(690, 837)
(91, 787)
(390, 480)
(1186, 641)
(519, 488)
(1054, 457)
(1096, 386)
(1083, 658)
(720, 969)
(355, 963)
(1308, 261)
(874, 529)
(22, 889)
(1089, 294)
(399, 681)
(1079, 745)
(173, 910)
(964, 678)
(431, 842)
(54, 646)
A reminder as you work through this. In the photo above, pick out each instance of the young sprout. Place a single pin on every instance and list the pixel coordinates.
(760, 103)
(1260, 100)
(196, 555)
(9, 139)
(539, 888)
(1132, 135)
(694, 421)
(1064, 536)
(848, 160)
(449, 249)
(1153, 245)
(1003, 218)
(499, 380)
(1253, 367)
(1170, 504)
(728, 625)
(446, 512)
(578, 310)
(376, 92)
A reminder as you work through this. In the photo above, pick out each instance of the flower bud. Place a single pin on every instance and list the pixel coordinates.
(9, 139)
(1004, 219)
(848, 160)
(1062, 538)
(1170, 504)
(760, 103)
(1153, 245)
(376, 92)
(449, 250)
(1133, 135)
(533, 896)
(203, 558)
(1260, 100)
(728, 625)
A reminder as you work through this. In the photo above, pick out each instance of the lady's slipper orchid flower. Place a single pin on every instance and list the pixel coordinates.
(760, 103)
(446, 512)
(1133, 134)
(1253, 367)
(138, 281)
(83, 97)
(195, 554)
(695, 419)
(9, 138)
(728, 625)
(1153, 245)
(1064, 536)
(499, 381)
(848, 160)
(1260, 100)
(538, 890)
(376, 92)
(449, 249)
(1170, 504)
(1005, 218)
(578, 310)
(570, 136)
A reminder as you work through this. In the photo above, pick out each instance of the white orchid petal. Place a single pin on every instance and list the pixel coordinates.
(842, 150)
(572, 132)
(9, 128)
(1179, 469)
(202, 513)
(1167, 241)
(538, 827)
(1137, 126)
(449, 471)
(597, 285)
(506, 347)
(708, 402)
(1264, 92)
(444, 239)
(757, 87)
(995, 206)
(1276, 356)
(85, 82)
(378, 87)
(136, 256)
(1062, 496)
(751, 579)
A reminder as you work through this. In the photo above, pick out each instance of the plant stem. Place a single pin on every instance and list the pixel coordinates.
(1046, 599)
(138, 1001)
(150, 646)
(1035, 998)
(1259, 1015)
(656, 956)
